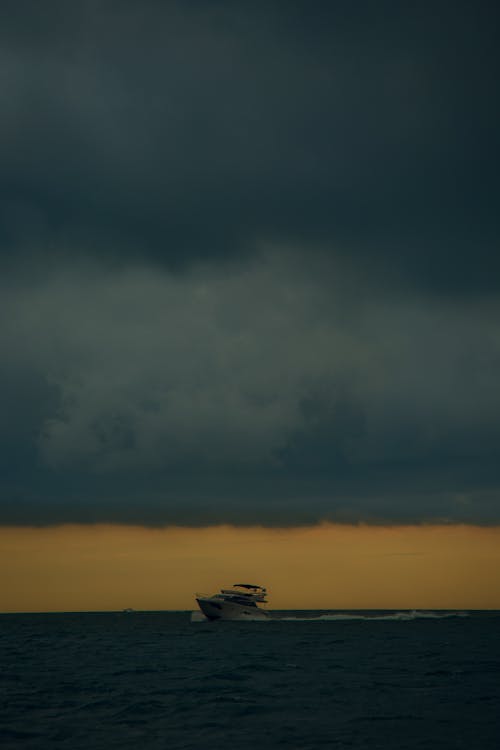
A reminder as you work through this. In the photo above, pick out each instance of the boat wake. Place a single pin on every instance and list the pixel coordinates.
(414, 614)
(396, 616)
(200, 617)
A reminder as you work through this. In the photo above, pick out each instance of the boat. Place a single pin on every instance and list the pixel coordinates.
(237, 603)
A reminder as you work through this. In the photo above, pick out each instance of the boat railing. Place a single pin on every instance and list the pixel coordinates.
(232, 593)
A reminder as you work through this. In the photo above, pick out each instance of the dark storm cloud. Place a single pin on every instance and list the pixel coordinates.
(277, 390)
(182, 130)
(249, 262)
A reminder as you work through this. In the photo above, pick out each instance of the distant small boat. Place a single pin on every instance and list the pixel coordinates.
(128, 610)
(238, 603)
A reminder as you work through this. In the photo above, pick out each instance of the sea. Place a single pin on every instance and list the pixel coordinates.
(301, 680)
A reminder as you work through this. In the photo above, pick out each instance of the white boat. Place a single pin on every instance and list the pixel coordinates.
(238, 603)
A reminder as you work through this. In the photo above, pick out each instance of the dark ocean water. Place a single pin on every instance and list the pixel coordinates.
(158, 680)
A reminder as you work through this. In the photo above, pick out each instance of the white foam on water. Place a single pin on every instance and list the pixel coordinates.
(397, 616)
(200, 617)
(414, 614)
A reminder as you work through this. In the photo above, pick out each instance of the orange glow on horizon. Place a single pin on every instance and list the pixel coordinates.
(110, 567)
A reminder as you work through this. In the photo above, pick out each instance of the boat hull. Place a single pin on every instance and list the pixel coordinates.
(218, 609)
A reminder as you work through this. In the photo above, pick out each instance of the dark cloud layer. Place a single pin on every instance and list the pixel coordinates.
(186, 130)
(249, 262)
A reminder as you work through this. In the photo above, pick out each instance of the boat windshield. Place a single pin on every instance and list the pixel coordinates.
(248, 586)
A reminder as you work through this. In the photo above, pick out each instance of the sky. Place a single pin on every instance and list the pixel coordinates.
(337, 566)
(249, 270)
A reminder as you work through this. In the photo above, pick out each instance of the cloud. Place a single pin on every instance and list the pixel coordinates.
(248, 264)
(279, 377)
(186, 132)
